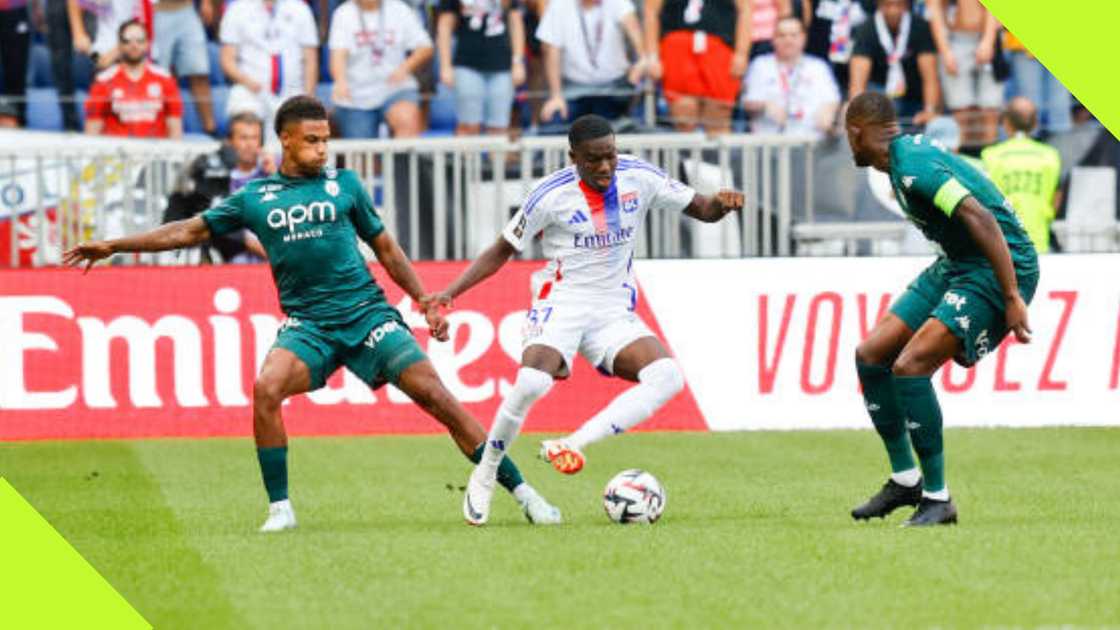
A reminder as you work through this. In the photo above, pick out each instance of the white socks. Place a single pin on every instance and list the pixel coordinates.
(531, 385)
(940, 495)
(908, 478)
(658, 382)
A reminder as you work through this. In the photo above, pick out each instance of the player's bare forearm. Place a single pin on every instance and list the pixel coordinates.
(712, 209)
(397, 265)
(487, 264)
(174, 235)
(985, 232)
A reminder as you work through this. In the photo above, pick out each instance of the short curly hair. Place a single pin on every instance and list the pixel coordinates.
(871, 107)
(299, 108)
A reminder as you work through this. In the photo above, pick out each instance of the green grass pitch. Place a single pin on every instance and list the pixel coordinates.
(756, 534)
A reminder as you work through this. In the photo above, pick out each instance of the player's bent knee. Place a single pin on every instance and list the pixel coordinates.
(913, 364)
(531, 385)
(868, 354)
(665, 376)
(268, 393)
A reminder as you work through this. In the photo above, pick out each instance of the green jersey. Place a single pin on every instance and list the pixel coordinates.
(309, 227)
(930, 182)
(1027, 172)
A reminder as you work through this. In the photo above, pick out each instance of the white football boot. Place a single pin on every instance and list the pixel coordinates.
(538, 510)
(281, 516)
(476, 500)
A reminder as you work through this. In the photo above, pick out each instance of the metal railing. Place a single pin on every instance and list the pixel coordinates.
(444, 198)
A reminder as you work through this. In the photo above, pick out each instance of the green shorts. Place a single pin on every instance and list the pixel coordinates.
(376, 347)
(967, 298)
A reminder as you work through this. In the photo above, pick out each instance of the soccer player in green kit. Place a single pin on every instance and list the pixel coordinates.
(308, 217)
(959, 308)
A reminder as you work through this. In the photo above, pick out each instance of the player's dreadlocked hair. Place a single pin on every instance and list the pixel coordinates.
(299, 108)
(588, 127)
(871, 107)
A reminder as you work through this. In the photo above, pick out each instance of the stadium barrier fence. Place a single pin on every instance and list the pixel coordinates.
(764, 343)
(444, 198)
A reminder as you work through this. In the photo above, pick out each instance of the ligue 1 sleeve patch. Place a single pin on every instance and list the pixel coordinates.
(949, 196)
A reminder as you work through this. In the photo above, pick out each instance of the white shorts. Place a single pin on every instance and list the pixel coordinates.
(597, 331)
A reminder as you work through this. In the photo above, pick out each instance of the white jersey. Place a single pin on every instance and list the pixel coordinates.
(588, 235)
(377, 42)
(270, 42)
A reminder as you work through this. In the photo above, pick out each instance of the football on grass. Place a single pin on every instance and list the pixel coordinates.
(634, 496)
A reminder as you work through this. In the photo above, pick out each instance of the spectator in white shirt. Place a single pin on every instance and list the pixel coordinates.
(376, 46)
(269, 52)
(788, 91)
(584, 43)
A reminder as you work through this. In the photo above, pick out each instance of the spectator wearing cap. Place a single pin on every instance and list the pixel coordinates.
(1026, 171)
(179, 44)
(895, 54)
(699, 50)
(488, 61)
(965, 35)
(831, 26)
(134, 97)
(585, 60)
(376, 47)
(15, 50)
(269, 53)
(788, 91)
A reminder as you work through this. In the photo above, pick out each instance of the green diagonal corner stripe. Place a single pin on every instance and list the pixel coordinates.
(1077, 42)
(44, 582)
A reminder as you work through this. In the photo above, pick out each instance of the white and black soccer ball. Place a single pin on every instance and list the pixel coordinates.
(634, 496)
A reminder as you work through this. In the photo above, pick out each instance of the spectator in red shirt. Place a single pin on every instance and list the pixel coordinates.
(134, 97)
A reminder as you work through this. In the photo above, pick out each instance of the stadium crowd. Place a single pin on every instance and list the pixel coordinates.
(408, 67)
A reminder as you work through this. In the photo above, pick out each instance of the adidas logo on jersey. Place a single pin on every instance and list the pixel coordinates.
(577, 217)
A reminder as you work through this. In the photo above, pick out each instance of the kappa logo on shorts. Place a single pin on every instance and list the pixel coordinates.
(377, 334)
(908, 180)
(982, 344)
(955, 300)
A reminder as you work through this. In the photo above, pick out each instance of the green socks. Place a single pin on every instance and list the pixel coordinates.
(274, 470)
(886, 414)
(508, 474)
(923, 415)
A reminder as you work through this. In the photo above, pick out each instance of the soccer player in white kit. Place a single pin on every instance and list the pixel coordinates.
(590, 214)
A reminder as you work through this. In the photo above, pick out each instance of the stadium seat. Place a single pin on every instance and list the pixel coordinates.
(441, 114)
(1090, 222)
(39, 73)
(43, 112)
(214, 51)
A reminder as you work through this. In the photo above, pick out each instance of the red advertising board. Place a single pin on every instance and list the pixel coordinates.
(172, 351)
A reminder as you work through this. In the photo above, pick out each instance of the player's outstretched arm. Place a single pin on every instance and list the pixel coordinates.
(487, 264)
(712, 209)
(985, 232)
(174, 235)
(400, 269)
